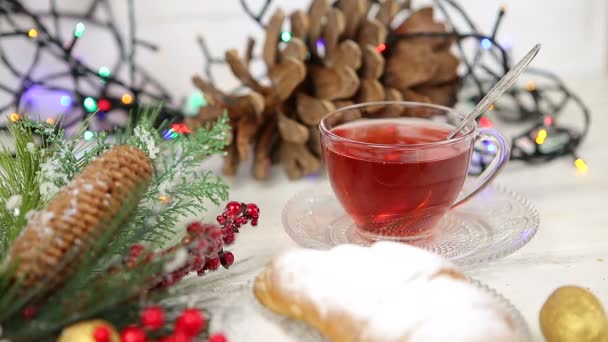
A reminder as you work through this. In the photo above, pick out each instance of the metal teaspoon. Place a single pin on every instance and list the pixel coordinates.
(497, 90)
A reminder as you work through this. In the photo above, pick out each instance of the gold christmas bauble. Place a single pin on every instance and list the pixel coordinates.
(573, 314)
(83, 332)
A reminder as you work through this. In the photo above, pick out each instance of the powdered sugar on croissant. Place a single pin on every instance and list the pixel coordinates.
(386, 292)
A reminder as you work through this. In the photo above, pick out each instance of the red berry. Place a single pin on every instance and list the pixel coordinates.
(214, 232)
(195, 228)
(101, 334)
(133, 334)
(202, 245)
(191, 322)
(177, 276)
(253, 210)
(212, 264)
(177, 337)
(233, 208)
(240, 220)
(221, 219)
(153, 317)
(218, 337)
(150, 257)
(254, 222)
(29, 312)
(135, 250)
(198, 263)
(229, 237)
(227, 259)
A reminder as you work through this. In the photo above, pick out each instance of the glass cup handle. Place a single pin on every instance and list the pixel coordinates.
(486, 177)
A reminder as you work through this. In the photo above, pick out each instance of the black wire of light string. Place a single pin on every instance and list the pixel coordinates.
(50, 41)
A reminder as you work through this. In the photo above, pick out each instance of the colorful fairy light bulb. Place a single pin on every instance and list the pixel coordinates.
(381, 47)
(50, 121)
(65, 100)
(104, 105)
(491, 107)
(548, 120)
(79, 29)
(180, 128)
(581, 165)
(15, 117)
(285, 36)
(486, 43)
(484, 121)
(32, 33)
(531, 86)
(90, 104)
(104, 71)
(168, 134)
(88, 135)
(541, 136)
(320, 44)
(194, 104)
(126, 99)
(197, 100)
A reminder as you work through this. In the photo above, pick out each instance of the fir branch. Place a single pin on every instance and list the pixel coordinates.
(180, 186)
(19, 192)
(37, 170)
(96, 284)
(83, 294)
(66, 156)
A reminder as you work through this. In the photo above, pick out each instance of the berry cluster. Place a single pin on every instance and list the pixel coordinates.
(237, 214)
(202, 248)
(186, 328)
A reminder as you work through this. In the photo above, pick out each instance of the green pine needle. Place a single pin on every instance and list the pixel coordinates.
(19, 191)
(95, 287)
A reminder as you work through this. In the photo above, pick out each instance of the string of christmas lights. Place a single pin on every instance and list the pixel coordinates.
(81, 89)
(539, 105)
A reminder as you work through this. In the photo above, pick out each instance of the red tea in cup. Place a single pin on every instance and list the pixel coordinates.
(397, 177)
(387, 193)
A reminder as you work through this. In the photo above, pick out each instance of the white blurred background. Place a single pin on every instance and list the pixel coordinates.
(574, 35)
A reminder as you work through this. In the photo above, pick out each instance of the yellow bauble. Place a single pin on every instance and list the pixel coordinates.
(83, 332)
(573, 314)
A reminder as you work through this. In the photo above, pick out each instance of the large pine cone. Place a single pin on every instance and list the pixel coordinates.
(336, 56)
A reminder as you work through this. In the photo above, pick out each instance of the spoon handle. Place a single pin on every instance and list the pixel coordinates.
(497, 90)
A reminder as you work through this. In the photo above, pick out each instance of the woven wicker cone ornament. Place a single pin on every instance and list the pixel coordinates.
(78, 214)
(333, 59)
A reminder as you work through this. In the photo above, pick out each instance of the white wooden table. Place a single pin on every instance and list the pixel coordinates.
(571, 246)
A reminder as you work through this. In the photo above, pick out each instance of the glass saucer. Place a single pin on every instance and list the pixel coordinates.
(492, 225)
